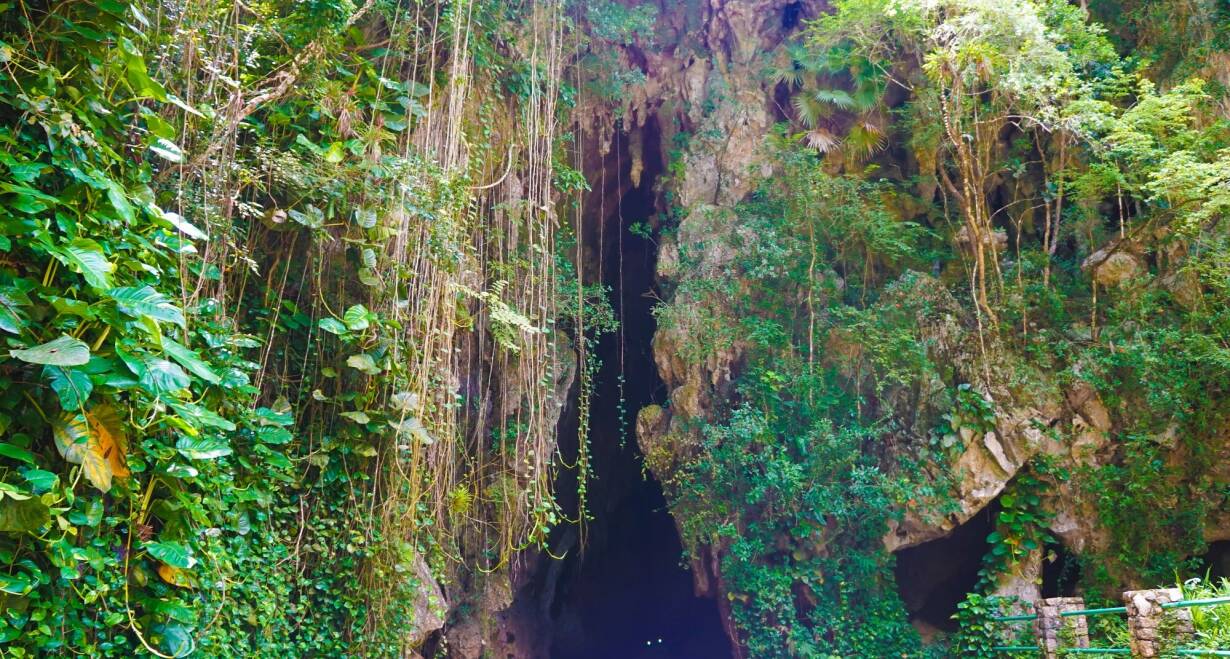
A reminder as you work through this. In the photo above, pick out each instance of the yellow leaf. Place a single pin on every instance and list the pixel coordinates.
(96, 441)
(109, 432)
(174, 576)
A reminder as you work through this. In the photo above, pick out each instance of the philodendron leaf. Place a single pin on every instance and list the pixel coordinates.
(12, 320)
(96, 441)
(174, 576)
(190, 360)
(202, 448)
(162, 377)
(171, 553)
(357, 416)
(356, 318)
(184, 226)
(17, 584)
(332, 326)
(363, 362)
(86, 257)
(64, 351)
(145, 301)
(22, 515)
(71, 385)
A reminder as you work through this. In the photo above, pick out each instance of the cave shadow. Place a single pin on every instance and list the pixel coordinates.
(935, 576)
(1061, 571)
(629, 594)
(1215, 562)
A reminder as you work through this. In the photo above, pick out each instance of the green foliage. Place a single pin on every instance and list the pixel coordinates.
(1212, 623)
(979, 634)
(1053, 157)
(620, 24)
(207, 352)
(1020, 526)
(788, 482)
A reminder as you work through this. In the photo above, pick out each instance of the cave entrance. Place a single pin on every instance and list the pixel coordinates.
(934, 577)
(1061, 571)
(1216, 561)
(628, 595)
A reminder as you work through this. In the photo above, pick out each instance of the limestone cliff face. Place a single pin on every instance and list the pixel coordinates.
(702, 75)
(725, 103)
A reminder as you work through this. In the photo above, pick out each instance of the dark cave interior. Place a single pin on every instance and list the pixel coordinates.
(933, 577)
(629, 594)
(1061, 571)
(1216, 561)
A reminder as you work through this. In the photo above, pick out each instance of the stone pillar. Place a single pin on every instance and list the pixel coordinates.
(1153, 627)
(1054, 631)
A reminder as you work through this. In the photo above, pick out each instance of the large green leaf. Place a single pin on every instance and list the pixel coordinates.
(161, 376)
(202, 448)
(16, 452)
(332, 326)
(95, 440)
(11, 318)
(146, 302)
(41, 480)
(71, 385)
(363, 362)
(64, 351)
(86, 257)
(199, 417)
(356, 318)
(119, 200)
(26, 515)
(190, 360)
(171, 553)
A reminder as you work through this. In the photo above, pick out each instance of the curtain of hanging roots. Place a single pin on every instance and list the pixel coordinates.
(491, 230)
(497, 211)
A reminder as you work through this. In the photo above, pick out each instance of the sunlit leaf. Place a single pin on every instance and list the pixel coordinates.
(163, 377)
(96, 441)
(71, 385)
(145, 301)
(202, 448)
(171, 553)
(332, 326)
(184, 226)
(12, 320)
(64, 351)
(16, 453)
(357, 416)
(86, 257)
(356, 317)
(190, 360)
(175, 576)
(335, 153)
(363, 362)
(16, 584)
(167, 149)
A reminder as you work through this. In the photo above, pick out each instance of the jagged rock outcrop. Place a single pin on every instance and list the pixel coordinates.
(484, 621)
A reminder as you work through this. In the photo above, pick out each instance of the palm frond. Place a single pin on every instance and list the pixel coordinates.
(838, 97)
(808, 110)
(863, 140)
(822, 140)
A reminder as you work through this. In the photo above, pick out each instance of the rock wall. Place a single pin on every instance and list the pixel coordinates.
(702, 76)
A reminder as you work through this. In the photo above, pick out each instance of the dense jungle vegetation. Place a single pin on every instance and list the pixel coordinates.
(293, 295)
(257, 262)
(975, 205)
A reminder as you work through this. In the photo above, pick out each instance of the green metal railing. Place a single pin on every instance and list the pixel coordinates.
(1181, 604)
